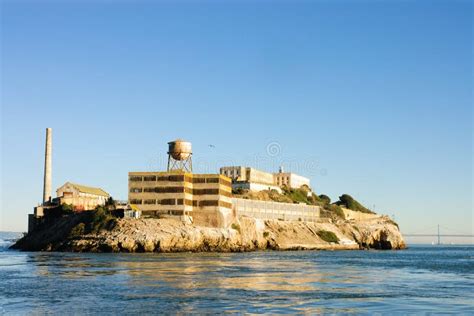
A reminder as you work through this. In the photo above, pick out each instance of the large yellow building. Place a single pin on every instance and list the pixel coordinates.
(205, 199)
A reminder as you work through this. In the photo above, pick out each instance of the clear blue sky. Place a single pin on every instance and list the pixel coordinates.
(370, 98)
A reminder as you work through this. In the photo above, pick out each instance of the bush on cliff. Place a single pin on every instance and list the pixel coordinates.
(298, 195)
(100, 218)
(349, 202)
(336, 210)
(327, 236)
(325, 199)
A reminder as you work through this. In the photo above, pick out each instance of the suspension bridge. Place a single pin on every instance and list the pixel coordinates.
(450, 233)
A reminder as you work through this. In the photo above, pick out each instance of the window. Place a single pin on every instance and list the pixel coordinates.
(169, 189)
(179, 201)
(135, 201)
(149, 178)
(212, 180)
(176, 178)
(150, 202)
(135, 190)
(167, 202)
(148, 190)
(205, 191)
(199, 180)
(135, 178)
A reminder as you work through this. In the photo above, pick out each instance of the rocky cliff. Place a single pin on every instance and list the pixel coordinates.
(70, 233)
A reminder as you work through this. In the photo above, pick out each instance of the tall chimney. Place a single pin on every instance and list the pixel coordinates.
(47, 166)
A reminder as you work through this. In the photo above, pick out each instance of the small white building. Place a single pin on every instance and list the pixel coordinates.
(291, 180)
(81, 197)
(250, 178)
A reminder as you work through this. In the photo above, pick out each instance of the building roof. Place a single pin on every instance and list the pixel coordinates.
(90, 190)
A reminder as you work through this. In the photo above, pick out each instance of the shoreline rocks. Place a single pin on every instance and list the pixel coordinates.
(247, 234)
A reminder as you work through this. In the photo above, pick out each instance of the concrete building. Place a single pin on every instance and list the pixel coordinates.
(290, 180)
(249, 178)
(203, 199)
(81, 197)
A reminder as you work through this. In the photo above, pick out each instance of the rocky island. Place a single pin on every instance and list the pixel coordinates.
(238, 209)
(99, 231)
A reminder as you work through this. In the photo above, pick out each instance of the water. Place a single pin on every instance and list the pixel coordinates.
(438, 279)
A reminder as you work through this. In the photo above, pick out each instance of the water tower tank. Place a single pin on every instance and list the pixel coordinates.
(180, 149)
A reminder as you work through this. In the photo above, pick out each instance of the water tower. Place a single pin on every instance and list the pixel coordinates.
(179, 156)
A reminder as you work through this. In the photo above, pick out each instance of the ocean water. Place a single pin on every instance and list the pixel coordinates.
(431, 279)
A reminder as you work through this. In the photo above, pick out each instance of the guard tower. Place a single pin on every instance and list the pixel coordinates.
(179, 156)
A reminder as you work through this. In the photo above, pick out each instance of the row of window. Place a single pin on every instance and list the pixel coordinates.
(173, 178)
(180, 190)
(178, 178)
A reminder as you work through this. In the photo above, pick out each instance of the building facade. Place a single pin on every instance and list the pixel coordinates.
(290, 180)
(204, 199)
(81, 197)
(249, 178)
(257, 180)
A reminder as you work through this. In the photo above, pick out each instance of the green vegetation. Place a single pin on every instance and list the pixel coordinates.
(336, 210)
(328, 236)
(325, 199)
(266, 234)
(349, 202)
(236, 227)
(298, 195)
(77, 230)
(99, 219)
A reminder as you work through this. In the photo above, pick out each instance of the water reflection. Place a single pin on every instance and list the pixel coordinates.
(275, 282)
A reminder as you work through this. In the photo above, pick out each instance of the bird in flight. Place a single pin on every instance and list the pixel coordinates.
(212, 146)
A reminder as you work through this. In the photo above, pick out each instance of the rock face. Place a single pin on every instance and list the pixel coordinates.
(246, 234)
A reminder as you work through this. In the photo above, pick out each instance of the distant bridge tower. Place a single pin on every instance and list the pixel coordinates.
(439, 237)
(179, 156)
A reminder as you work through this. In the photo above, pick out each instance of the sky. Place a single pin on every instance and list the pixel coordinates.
(369, 98)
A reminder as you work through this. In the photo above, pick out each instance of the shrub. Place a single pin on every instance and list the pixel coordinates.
(77, 231)
(298, 196)
(266, 234)
(101, 218)
(349, 202)
(325, 199)
(236, 227)
(67, 208)
(336, 210)
(327, 236)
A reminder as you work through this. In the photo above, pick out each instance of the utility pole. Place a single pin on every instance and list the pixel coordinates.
(439, 237)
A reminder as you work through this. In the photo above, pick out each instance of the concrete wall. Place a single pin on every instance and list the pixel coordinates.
(358, 216)
(276, 210)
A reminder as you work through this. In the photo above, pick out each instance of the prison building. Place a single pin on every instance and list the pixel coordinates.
(268, 210)
(81, 197)
(204, 198)
(249, 178)
(290, 180)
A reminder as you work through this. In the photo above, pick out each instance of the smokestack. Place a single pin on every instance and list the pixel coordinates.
(47, 166)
